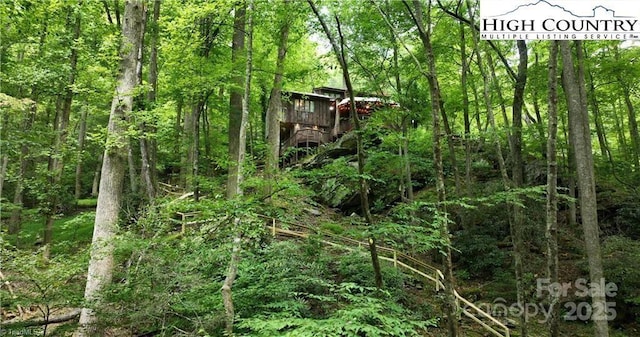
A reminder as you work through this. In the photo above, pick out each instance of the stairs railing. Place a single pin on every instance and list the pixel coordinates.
(399, 260)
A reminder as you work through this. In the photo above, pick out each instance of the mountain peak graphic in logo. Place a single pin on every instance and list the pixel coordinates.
(544, 6)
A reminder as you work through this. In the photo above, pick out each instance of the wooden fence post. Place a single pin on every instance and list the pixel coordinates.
(395, 259)
(273, 227)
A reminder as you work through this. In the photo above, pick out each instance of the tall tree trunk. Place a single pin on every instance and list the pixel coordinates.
(148, 144)
(116, 7)
(517, 230)
(595, 106)
(131, 163)
(432, 78)
(437, 113)
(631, 114)
(465, 108)
(516, 218)
(339, 52)
(571, 177)
(178, 141)
(16, 214)
(227, 294)
(406, 182)
(450, 144)
(4, 157)
(490, 116)
(142, 104)
(232, 271)
(275, 106)
(96, 178)
(406, 159)
(29, 118)
(191, 139)
(146, 167)
(206, 135)
(551, 232)
(113, 170)
(61, 128)
(82, 132)
(3, 171)
(153, 80)
(536, 109)
(235, 101)
(633, 125)
(503, 106)
(476, 112)
(195, 150)
(186, 158)
(579, 132)
(107, 11)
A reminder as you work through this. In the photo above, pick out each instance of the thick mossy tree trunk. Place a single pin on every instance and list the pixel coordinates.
(113, 171)
(339, 51)
(579, 132)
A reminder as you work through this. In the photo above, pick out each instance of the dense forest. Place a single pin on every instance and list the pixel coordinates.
(312, 168)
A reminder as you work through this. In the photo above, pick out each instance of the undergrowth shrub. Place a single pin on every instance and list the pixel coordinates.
(355, 267)
(478, 253)
(361, 311)
(48, 288)
(622, 267)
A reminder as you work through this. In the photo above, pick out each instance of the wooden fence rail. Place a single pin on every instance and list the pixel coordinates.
(399, 260)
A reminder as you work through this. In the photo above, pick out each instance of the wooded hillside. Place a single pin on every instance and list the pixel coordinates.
(312, 168)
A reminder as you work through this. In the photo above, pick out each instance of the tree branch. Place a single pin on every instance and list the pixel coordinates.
(493, 46)
(38, 322)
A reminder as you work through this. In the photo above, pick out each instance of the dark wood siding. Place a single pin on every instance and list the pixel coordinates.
(308, 110)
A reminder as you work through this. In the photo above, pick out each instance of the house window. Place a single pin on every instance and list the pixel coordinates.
(304, 109)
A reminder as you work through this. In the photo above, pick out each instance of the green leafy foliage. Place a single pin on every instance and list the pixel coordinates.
(478, 253)
(621, 256)
(282, 288)
(362, 314)
(46, 286)
(409, 228)
(311, 306)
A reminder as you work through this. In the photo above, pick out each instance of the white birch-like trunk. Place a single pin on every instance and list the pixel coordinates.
(113, 171)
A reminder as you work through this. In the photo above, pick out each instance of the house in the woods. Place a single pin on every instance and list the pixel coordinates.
(313, 119)
(307, 121)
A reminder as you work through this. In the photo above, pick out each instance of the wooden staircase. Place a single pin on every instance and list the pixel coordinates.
(399, 260)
